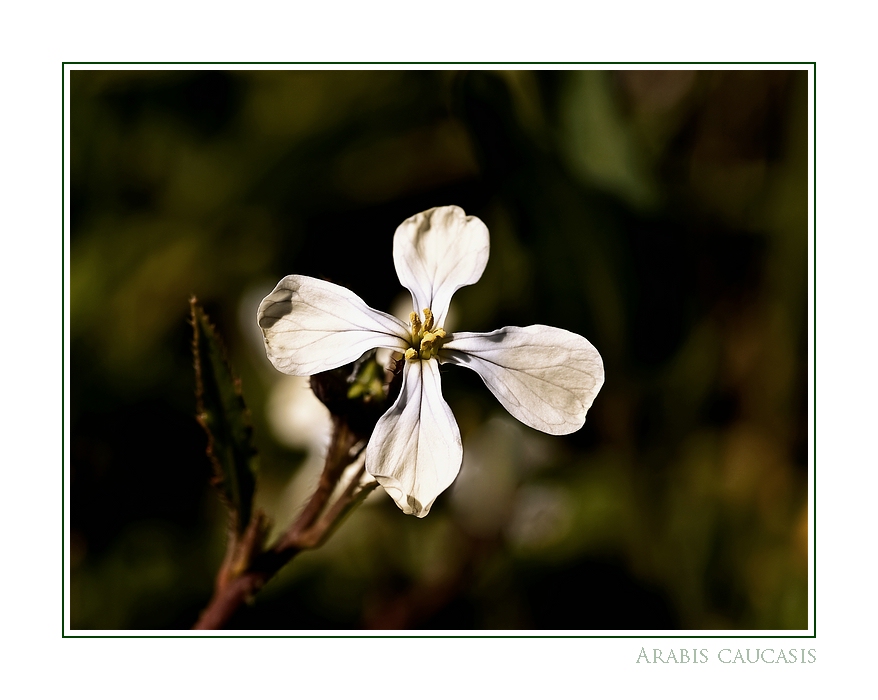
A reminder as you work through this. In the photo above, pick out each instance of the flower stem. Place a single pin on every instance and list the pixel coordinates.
(317, 521)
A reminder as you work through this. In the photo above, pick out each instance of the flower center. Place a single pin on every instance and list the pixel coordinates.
(425, 339)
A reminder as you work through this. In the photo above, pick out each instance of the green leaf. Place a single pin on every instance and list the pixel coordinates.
(224, 416)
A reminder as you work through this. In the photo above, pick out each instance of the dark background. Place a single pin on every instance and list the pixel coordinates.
(661, 214)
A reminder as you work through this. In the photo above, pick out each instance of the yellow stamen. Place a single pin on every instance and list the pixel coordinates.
(425, 338)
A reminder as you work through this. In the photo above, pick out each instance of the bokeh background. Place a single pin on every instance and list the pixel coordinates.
(662, 214)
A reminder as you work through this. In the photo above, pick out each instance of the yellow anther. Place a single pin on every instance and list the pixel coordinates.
(424, 337)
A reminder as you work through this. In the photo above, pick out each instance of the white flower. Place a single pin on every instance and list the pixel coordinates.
(545, 377)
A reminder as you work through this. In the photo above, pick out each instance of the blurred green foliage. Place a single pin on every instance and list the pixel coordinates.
(661, 214)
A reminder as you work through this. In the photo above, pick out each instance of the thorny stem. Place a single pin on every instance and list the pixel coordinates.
(308, 531)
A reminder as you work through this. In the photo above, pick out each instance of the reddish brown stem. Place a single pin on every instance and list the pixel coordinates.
(309, 530)
(337, 460)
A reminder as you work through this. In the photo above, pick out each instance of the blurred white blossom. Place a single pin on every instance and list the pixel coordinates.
(541, 516)
(499, 455)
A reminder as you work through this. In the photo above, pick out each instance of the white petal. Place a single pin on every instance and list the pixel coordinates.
(546, 377)
(436, 253)
(311, 326)
(415, 451)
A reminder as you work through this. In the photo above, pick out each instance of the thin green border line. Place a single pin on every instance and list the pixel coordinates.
(63, 346)
(438, 63)
(813, 65)
(814, 331)
(426, 636)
